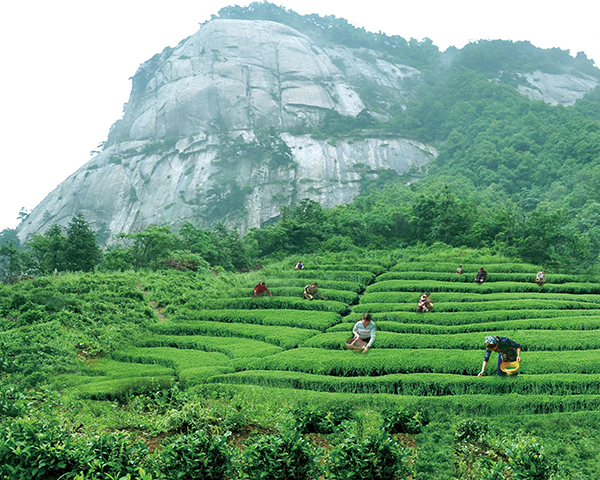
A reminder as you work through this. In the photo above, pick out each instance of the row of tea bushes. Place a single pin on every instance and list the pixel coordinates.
(175, 358)
(424, 266)
(465, 278)
(470, 318)
(343, 296)
(354, 267)
(284, 337)
(386, 361)
(364, 278)
(554, 323)
(479, 306)
(487, 287)
(407, 297)
(420, 384)
(232, 347)
(304, 319)
(269, 303)
(302, 282)
(530, 340)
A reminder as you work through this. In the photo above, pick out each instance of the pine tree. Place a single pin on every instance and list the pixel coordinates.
(81, 249)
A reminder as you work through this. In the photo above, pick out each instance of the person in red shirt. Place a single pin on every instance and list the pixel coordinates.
(260, 289)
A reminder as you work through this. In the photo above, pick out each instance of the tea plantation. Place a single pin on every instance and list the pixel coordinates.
(185, 375)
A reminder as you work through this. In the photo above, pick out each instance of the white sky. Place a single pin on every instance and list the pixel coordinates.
(66, 64)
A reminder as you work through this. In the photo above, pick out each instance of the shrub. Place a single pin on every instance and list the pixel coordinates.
(32, 449)
(196, 456)
(398, 419)
(378, 457)
(311, 417)
(114, 455)
(278, 457)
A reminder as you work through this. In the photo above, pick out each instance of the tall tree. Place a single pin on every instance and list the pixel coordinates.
(82, 252)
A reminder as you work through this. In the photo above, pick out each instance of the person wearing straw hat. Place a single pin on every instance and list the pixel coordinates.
(508, 351)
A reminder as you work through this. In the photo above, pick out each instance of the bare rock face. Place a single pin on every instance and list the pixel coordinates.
(237, 75)
(192, 146)
(556, 89)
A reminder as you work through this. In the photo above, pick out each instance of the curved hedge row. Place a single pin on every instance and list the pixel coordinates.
(273, 303)
(528, 277)
(351, 267)
(118, 389)
(284, 337)
(232, 347)
(487, 287)
(413, 297)
(530, 340)
(301, 282)
(386, 361)
(478, 306)
(364, 278)
(468, 268)
(468, 318)
(178, 359)
(309, 319)
(421, 384)
(554, 323)
(342, 296)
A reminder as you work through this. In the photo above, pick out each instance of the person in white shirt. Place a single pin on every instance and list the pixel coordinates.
(364, 331)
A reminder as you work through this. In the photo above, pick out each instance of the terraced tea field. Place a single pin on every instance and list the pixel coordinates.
(421, 358)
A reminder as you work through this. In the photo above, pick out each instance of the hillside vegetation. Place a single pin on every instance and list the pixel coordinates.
(182, 365)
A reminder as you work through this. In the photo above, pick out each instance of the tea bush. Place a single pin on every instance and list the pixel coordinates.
(377, 457)
(323, 418)
(278, 457)
(196, 456)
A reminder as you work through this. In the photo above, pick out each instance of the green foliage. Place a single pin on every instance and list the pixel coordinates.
(285, 337)
(278, 457)
(322, 418)
(307, 319)
(196, 456)
(512, 454)
(434, 451)
(377, 457)
(37, 450)
(398, 419)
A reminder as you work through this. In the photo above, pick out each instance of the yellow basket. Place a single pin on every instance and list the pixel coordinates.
(510, 367)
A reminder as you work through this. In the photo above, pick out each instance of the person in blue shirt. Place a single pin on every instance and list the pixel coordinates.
(508, 351)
